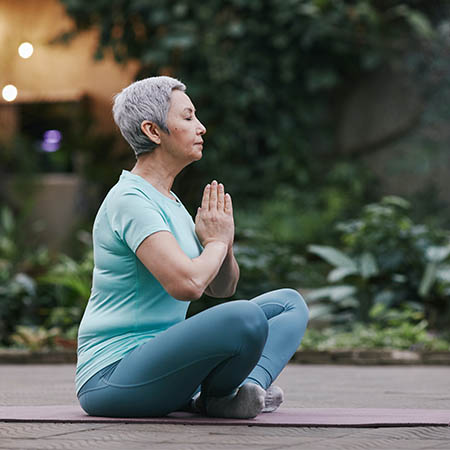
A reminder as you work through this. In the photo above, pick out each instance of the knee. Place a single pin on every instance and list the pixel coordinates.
(297, 302)
(248, 320)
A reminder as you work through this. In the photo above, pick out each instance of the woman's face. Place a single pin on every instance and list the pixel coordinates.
(185, 138)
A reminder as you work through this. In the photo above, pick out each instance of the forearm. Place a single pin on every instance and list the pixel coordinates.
(182, 277)
(205, 268)
(225, 282)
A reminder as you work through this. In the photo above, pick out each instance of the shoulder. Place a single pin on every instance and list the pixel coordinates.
(126, 195)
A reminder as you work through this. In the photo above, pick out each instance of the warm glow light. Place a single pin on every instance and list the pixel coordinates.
(9, 92)
(25, 50)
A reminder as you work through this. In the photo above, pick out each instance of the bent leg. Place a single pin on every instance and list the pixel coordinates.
(287, 315)
(217, 349)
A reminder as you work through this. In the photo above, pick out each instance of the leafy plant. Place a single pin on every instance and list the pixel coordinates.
(386, 258)
(19, 299)
(39, 290)
(403, 329)
(70, 282)
(35, 338)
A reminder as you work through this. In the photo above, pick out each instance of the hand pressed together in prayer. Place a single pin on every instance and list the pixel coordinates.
(214, 220)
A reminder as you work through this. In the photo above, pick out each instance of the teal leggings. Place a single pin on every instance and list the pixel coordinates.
(215, 351)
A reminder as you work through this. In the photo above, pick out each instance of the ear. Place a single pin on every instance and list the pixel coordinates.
(152, 131)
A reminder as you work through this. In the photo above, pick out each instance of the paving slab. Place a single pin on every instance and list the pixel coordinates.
(330, 386)
(305, 386)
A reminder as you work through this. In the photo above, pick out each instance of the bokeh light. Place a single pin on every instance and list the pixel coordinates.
(25, 50)
(51, 141)
(9, 92)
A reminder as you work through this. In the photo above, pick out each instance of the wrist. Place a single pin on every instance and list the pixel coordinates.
(216, 243)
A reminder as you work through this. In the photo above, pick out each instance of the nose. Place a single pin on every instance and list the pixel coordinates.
(201, 128)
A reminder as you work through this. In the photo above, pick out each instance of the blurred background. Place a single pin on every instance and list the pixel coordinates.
(328, 122)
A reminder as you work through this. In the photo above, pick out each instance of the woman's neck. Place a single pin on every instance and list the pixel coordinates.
(159, 173)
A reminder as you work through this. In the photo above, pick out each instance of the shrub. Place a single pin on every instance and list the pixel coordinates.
(39, 290)
(386, 258)
(69, 282)
(19, 265)
(404, 329)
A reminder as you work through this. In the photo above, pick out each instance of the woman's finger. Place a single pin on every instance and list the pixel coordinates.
(220, 197)
(228, 204)
(205, 198)
(213, 196)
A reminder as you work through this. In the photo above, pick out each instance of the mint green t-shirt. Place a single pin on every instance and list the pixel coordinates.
(128, 305)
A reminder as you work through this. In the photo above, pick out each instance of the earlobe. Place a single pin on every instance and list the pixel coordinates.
(151, 131)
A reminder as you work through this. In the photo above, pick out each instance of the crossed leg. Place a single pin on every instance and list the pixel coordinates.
(216, 351)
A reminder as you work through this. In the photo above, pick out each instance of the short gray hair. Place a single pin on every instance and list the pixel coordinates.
(147, 99)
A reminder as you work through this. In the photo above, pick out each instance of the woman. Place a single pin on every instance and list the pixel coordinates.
(137, 354)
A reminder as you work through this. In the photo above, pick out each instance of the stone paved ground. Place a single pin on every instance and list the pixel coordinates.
(305, 386)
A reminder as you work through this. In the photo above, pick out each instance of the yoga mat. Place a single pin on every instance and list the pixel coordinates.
(283, 417)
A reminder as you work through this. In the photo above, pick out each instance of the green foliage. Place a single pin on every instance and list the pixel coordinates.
(265, 266)
(404, 329)
(386, 259)
(271, 239)
(69, 283)
(35, 338)
(263, 74)
(18, 266)
(73, 275)
(296, 217)
(37, 289)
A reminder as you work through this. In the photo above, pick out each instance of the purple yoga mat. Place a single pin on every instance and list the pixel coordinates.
(284, 417)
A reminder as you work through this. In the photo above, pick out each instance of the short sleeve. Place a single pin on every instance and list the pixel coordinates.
(134, 217)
